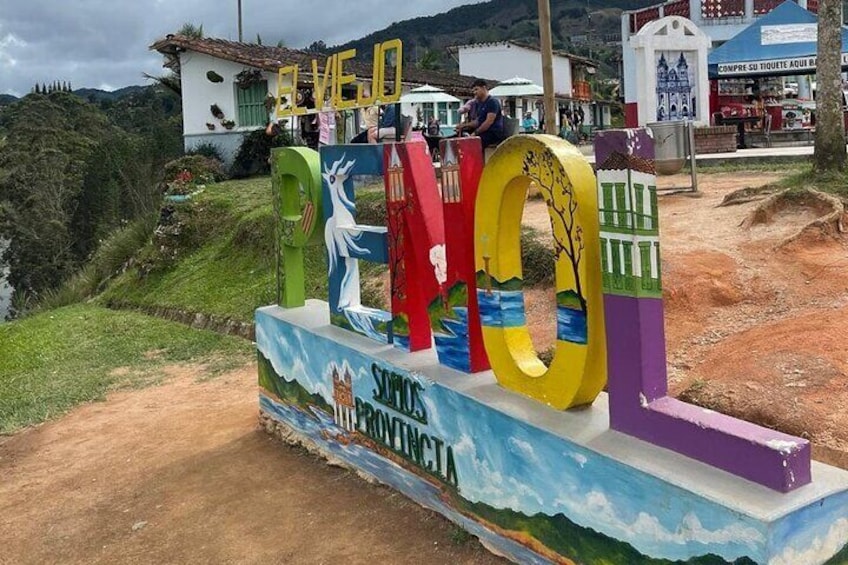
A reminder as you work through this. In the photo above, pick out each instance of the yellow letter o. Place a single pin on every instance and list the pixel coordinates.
(577, 373)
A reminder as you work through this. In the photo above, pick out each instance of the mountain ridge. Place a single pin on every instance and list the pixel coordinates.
(576, 29)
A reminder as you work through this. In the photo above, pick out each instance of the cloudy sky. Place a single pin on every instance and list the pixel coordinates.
(103, 43)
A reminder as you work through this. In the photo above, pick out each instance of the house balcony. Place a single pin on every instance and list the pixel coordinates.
(581, 90)
(708, 12)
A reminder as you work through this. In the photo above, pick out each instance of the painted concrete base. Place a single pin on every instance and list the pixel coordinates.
(534, 484)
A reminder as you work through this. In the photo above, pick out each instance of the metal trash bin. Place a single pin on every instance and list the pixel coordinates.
(670, 147)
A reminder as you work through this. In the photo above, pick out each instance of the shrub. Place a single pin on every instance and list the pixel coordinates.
(255, 151)
(202, 169)
(207, 149)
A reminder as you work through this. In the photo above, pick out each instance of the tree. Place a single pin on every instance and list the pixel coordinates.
(829, 153)
(317, 47)
(191, 31)
(430, 61)
(173, 80)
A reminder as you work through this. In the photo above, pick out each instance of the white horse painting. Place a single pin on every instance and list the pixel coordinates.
(340, 233)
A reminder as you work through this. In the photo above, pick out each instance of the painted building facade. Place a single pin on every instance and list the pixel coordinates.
(718, 20)
(628, 216)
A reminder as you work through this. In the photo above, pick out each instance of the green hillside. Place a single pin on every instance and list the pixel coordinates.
(218, 258)
(579, 27)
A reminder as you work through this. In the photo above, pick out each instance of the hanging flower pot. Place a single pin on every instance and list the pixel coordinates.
(248, 78)
(210, 127)
(228, 124)
(212, 76)
(216, 111)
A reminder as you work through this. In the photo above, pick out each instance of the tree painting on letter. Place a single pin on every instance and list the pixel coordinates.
(550, 177)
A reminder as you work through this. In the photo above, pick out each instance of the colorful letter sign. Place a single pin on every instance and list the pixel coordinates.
(577, 373)
(296, 180)
(638, 384)
(607, 274)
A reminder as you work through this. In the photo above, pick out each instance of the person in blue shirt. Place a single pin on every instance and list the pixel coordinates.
(387, 128)
(529, 123)
(490, 120)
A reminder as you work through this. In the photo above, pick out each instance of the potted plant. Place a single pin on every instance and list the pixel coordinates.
(248, 77)
(210, 127)
(228, 124)
(216, 111)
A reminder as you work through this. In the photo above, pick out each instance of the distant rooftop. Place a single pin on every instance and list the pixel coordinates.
(575, 58)
(271, 59)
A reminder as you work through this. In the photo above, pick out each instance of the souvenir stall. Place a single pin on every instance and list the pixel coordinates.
(751, 76)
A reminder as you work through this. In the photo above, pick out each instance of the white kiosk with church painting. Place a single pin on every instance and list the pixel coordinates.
(671, 71)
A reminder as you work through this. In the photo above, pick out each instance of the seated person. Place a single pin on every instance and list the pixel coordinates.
(433, 127)
(469, 122)
(370, 119)
(387, 128)
(490, 120)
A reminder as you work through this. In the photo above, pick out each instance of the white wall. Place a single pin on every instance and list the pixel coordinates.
(199, 93)
(503, 61)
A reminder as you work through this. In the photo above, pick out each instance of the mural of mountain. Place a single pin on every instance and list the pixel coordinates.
(583, 545)
(576, 24)
(288, 391)
(513, 284)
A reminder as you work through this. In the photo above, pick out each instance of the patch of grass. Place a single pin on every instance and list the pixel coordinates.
(715, 166)
(225, 261)
(834, 183)
(110, 258)
(53, 361)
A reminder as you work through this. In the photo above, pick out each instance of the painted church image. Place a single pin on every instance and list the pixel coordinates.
(674, 90)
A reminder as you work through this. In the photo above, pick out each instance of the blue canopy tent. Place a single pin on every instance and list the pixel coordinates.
(783, 42)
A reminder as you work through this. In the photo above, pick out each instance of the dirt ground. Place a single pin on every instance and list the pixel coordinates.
(754, 328)
(180, 473)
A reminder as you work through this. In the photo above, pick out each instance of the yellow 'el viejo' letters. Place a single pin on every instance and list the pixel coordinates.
(335, 79)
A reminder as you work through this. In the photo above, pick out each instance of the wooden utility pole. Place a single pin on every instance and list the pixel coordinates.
(547, 65)
(241, 35)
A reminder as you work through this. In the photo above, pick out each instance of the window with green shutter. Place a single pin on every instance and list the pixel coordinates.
(251, 105)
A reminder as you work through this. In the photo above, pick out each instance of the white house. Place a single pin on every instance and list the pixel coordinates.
(209, 70)
(504, 60)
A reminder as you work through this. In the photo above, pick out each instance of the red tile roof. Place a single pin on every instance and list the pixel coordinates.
(270, 59)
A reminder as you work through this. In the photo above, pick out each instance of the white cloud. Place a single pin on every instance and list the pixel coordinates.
(579, 458)
(523, 449)
(595, 509)
(89, 42)
(820, 550)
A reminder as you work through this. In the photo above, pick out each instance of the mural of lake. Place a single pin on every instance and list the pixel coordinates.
(5, 288)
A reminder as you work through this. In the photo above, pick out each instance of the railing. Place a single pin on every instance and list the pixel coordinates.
(678, 8)
(710, 10)
(722, 8)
